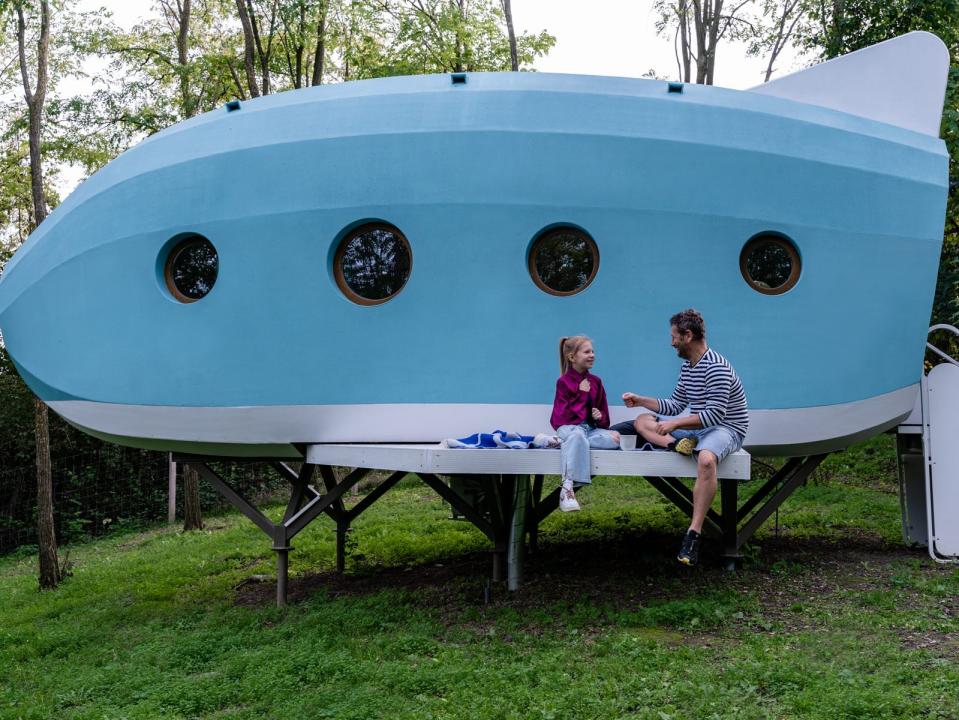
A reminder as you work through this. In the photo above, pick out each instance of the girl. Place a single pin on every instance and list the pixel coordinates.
(580, 415)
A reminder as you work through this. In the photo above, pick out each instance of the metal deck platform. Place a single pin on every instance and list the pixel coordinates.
(446, 461)
(510, 504)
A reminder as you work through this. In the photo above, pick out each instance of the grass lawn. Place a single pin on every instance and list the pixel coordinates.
(831, 617)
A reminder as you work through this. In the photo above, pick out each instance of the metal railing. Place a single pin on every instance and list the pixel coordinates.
(944, 355)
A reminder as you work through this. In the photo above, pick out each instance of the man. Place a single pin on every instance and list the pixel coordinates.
(714, 425)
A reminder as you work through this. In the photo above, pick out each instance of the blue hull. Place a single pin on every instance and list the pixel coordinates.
(670, 186)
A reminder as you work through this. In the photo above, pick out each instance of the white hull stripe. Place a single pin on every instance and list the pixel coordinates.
(771, 432)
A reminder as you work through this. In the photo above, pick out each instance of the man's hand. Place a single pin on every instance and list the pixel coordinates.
(584, 386)
(630, 399)
(666, 427)
(597, 415)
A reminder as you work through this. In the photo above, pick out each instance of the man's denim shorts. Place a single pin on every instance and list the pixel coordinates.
(720, 441)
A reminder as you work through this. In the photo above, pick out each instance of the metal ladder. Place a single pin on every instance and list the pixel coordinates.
(927, 445)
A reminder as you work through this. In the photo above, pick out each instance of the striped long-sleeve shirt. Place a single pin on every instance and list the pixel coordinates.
(712, 390)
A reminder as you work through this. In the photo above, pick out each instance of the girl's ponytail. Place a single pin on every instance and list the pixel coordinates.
(563, 360)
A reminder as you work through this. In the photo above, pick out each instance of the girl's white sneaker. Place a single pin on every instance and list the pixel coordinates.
(567, 500)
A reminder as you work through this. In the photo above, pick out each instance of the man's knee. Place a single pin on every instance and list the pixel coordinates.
(706, 461)
(615, 436)
(644, 421)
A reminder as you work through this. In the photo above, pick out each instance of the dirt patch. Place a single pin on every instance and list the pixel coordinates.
(942, 645)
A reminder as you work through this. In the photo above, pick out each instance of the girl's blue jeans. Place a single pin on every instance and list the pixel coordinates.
(577, 440)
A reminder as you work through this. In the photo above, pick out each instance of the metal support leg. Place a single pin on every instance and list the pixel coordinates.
(497, 565)
(282, 574)
(503, 486)
(342, 527)
(281, 546)
(517, 533)
(729, 501)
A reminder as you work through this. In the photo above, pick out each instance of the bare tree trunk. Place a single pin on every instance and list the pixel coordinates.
(248, 49)
(783, 33)
(46, 535)
(188, 104)
(713, 38)
(192, 515)
(460, 48)
(683, 12)
(263, 53)
(709, 26)
(300, 47)
(513, 54)
(835, 43)
(320, 54)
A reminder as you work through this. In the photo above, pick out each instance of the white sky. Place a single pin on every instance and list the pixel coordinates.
(601, 37)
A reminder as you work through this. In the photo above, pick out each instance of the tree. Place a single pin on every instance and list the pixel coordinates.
(192, 515)
(258, 36)
(838, 27)
(181, 62)
(513, 54)
(428, 36)
(304, 40)
(774, 30)
(35, 95)
(698, 26)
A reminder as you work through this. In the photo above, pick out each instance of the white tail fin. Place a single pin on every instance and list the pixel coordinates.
(900, 81)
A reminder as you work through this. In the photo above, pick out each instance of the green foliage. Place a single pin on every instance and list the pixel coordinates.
(841, 27)
(156, 625)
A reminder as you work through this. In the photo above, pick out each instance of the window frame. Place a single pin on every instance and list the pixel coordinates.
(348, 292)
(784, 242)
(533, 253)
(172, 255)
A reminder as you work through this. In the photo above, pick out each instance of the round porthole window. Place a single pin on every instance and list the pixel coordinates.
(372, 263)
(191, 268)
(563, 261)
(770, 264)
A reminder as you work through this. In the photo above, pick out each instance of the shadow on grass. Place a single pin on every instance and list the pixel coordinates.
(619, 570)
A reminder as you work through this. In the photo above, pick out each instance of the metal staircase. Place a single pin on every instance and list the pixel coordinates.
(928, 450)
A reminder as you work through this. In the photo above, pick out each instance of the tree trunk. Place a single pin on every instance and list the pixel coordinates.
(319, 57)
(715, 17)
(248, 48)
(683, 13)
(182, 46)
(300, 47)
(513, 54)
(458, 6)
(192, 515)
(46, 534)
(262, 54)
(783, 34)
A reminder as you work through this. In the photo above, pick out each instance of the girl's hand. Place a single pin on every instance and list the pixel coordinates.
(584, 386)
(597, 415)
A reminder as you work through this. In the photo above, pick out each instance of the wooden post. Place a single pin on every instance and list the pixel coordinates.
(192, 516)
(171, 491)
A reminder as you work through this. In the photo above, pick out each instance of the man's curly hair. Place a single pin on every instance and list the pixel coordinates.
(689, 321)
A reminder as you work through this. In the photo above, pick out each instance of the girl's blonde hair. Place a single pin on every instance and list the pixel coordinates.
(570, 346)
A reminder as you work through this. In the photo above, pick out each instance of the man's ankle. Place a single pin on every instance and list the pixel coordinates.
(696, 533)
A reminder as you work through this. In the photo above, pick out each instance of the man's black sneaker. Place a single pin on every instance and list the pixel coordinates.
(689, 554)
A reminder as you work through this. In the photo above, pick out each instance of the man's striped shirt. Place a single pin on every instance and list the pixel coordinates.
(712, 390)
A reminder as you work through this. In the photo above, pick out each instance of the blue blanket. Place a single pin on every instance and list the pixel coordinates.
(495, 439)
